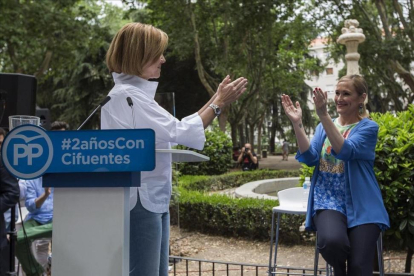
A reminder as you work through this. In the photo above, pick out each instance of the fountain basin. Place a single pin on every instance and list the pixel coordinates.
(266, 189)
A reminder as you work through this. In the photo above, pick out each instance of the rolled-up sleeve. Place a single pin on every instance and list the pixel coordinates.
(31, 196)
(190, 132)
(360, 145)
(311, 156)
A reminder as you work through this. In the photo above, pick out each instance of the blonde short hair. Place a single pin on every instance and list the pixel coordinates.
(361, 87)
(134, 46)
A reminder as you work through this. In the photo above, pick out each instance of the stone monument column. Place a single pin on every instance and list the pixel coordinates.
(351, 36)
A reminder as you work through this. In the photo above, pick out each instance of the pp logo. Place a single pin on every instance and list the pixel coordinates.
(27, 152)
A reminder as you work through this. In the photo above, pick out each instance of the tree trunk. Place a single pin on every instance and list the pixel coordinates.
(200, 68)
(45, 64)
(251, 135)
(247, 132)
(259, 139)
(222, 119)
(273, 128)
(272, 139)
(241, 135)
(404, 74)
(234, 127)
(410, 254)
(13, 59)
(259, 134)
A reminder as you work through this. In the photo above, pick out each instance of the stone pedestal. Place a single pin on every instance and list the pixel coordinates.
(351, 36)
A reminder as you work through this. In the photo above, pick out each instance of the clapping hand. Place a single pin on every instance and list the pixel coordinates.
(294, 113)
(229, 92)
(320, 99)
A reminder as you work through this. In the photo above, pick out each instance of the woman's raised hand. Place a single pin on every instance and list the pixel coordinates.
(229, 92)
(294, 113)
(320, 99)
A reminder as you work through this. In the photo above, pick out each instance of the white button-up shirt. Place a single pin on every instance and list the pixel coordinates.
(155, 190)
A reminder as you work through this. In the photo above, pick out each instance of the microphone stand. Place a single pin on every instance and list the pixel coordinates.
(107, 99)
(13, 238)
(87, 119)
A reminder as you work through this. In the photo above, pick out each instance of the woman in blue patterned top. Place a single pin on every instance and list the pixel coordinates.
(345, 204)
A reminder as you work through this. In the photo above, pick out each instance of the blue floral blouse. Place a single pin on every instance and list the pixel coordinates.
(329, 192)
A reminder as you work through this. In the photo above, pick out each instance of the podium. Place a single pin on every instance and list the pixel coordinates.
(91, 226)
(91, 173)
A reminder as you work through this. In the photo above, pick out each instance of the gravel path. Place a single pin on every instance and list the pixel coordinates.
(216, 248)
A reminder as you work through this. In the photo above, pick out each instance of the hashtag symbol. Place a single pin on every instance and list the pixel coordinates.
(66, 144)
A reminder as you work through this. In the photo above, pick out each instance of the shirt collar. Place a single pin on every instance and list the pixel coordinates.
(149, 87)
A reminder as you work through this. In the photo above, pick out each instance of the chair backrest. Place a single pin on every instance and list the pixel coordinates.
(291, 197)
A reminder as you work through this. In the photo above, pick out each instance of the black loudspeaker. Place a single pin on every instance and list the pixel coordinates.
(44, 115)
(17, 96)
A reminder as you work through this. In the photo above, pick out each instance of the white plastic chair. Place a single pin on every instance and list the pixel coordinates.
(291, 201)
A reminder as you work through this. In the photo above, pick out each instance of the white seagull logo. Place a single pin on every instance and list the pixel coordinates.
(27, 139)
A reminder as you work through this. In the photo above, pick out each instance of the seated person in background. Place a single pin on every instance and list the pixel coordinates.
(247, 158)
(38, 224)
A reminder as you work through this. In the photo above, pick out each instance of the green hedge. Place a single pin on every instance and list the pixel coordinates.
(221, 215)
(394, 169)
(219, 148)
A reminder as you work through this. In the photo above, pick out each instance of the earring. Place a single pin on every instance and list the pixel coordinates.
(360, 109)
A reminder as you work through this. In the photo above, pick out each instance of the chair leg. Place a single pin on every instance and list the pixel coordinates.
(271, 245)
(316, 261)
(272, 266)
(380, 258)
(277, 241)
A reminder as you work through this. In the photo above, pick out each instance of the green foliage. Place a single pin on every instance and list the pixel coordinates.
(63, 44)
(236, 217)
(218, 147)
(394, 169)
(305, 171)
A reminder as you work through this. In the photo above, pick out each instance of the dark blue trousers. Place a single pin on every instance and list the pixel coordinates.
(350, 251)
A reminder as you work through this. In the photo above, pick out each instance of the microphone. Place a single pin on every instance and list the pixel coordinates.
(104, 102)
(130, 103)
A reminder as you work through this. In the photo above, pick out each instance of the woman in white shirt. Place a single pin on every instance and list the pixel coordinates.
(135, 56)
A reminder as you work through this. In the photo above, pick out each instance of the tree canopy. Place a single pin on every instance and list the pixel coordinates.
(265, 41)
(63, 44)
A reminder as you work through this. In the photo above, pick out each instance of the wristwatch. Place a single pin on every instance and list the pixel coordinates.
(216, 108)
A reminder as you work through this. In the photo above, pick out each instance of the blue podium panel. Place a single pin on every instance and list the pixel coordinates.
(87, 179)
(29, 151)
